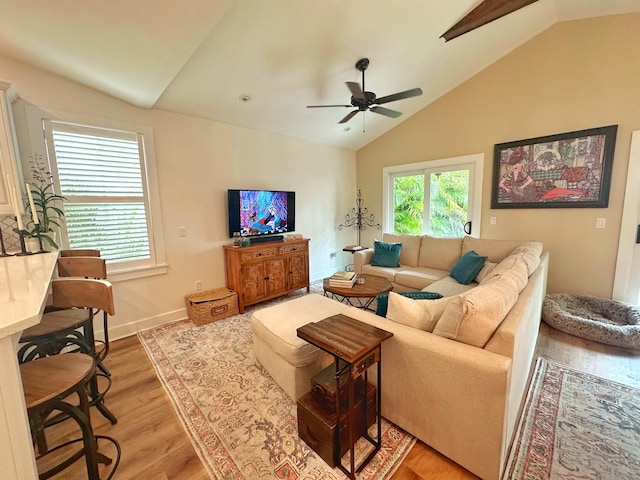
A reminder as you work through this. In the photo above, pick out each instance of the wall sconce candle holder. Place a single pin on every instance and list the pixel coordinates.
(359, 218)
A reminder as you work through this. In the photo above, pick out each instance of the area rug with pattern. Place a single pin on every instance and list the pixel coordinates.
(240, 422)
(576, 426)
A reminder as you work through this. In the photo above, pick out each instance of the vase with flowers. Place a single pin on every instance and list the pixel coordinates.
(45, 201)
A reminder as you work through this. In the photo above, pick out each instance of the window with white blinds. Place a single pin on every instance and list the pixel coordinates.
(101, 173)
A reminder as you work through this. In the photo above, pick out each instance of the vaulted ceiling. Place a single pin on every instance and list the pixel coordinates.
(203, 57)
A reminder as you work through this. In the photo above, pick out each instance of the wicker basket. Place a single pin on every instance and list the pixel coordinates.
(211, 305)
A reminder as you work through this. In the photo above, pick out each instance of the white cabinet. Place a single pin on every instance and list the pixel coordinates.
(9, 160)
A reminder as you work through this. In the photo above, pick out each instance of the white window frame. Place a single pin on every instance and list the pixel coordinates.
(124, 270)
(475, 164)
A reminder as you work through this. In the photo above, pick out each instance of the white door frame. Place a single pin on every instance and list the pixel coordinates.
(626, 283)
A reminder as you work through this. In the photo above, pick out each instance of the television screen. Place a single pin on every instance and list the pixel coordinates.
(261, 212)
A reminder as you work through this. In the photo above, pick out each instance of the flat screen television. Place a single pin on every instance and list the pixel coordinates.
(261, 212)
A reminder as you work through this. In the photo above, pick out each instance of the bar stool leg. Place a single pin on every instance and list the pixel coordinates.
(50, 385)
(97, 399)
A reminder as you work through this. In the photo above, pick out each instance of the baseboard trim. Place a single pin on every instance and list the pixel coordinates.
(121, 331)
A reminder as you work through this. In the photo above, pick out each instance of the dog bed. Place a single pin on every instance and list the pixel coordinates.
(605, 321)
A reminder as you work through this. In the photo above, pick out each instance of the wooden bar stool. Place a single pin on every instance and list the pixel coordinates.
(72, 266)
(88, 266)
(49, 385)
(82, 266)
(83, 263)
(72, 327)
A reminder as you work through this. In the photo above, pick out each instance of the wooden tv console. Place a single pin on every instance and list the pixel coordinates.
(267, 270)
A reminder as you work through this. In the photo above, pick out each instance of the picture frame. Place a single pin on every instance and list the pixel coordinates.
(566, 170)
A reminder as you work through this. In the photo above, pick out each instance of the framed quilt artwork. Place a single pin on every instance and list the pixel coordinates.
(567, 170)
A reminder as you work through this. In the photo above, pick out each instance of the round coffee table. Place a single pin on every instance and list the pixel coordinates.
(363, 294)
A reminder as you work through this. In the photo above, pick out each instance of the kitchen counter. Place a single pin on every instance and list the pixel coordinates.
(24, 283)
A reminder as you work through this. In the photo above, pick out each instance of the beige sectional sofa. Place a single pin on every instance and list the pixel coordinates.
(425, 261)
(456, 369)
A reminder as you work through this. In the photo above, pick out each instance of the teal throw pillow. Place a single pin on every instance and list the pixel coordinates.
(386, 254)
(466, 269)
(382, 299)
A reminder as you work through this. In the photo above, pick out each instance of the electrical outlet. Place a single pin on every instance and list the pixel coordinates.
(182, 231)
(601, 222)
(197, 285)
(492, 220)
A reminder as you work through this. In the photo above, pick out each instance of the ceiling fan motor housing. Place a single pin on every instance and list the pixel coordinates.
(369, 97)
(363, 103)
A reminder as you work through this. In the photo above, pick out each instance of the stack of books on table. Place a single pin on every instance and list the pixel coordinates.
(342, 279)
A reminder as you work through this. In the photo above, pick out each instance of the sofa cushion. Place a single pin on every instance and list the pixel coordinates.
(418, 278)
(494, 250)
(382, 300)
(513, 263)
(466, 269)
(386, 254)
(474, 316)
(448, 287)
(439, 253)
(410, 247)
(385, 272)
(486, 271)
(420, 314)
(530, 253)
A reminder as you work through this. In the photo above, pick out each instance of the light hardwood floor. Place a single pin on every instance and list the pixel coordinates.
(155, 446)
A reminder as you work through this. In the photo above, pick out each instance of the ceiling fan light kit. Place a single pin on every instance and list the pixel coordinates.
(363, 100)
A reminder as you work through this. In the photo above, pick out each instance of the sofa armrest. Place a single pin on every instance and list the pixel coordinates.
(360, 258)
(451, 395)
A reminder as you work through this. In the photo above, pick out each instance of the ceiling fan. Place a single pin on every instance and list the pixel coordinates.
(363, 100)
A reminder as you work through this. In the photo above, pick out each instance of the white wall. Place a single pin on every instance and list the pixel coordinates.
(197, 160)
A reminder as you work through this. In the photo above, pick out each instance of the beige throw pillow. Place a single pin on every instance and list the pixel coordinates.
(530, 253)
(420, 314)
(486, 271)
(513, 263)
(474, 316)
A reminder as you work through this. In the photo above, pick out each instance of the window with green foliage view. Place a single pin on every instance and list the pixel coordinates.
(449, 195)
(446, 212)
(408, 204)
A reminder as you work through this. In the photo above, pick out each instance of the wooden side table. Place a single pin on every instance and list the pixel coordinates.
(356, 346)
